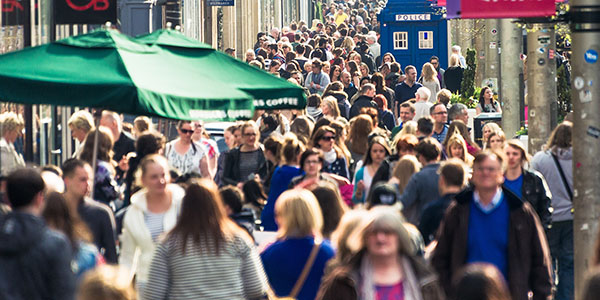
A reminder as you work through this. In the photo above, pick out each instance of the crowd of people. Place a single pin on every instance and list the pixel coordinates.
(376, 190)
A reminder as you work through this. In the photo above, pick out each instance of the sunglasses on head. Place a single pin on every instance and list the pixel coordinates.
(186, 131)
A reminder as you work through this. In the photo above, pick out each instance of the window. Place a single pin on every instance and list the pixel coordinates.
(400, 40)
(425, 39)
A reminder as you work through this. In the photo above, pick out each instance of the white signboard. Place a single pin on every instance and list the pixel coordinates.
(413, 17)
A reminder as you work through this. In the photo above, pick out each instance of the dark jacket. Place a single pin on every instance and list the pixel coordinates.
(528, 254)
(536, 192)
(123, 145)
(35, 262)
(392, 79)
(453, 79)
(101, 222)
(361, 101)
(384, 172)
(231, 174)
(343, 103)
(343, 282)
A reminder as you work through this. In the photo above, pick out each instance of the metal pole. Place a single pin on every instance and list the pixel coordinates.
(28, 112)
(511, 43)
(585, 34)
(492, 59)
(541, 82)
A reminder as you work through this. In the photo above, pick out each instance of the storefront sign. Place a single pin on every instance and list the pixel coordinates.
(492, 9)
(413, 17)
(13, 12)
(221, 3)
(85, 11)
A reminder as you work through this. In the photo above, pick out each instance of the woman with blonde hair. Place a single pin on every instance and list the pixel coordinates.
(408, 128)
(454, 74)
(107, 282)
(206, 255)
(329, 107)
(487, 129)
(384, 264)
(404, 169)
(460, 128)
(11, 126)
(141, 124)
(80, 123)
(153, 211)
(429, 80)
(456, 147)
(298, 240)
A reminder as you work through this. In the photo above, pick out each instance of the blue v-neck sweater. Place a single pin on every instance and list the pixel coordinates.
(488, 235)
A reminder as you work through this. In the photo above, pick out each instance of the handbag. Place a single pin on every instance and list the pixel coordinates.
(300, 282)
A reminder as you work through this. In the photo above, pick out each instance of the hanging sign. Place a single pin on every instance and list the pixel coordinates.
(486, 9)
(85, 11)
(413, 17)
(221, 3)
(13, 12)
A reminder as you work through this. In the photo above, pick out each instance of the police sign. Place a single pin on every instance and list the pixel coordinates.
(413, 17)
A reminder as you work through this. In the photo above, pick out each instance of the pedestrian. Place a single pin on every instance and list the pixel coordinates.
(80, 123)
(383, 264)
(487, 223)
(406, 114)
(364, 99)
(290, 153)
(302, 127)
(272, 150)
(360, 129)
(402, 172)
(454, 75)
(11, 126)
(387, 121)
(232, 137)
(487, 104)
(233, 203)
(107, 283)
(528, 185)
(153, 211)
(141, 125)
(329, 107)
(35, 261)
(555, 163)
(496, 141)
(453, 178)
(458, 126)
(481, 281)
(422, 104)
(296, 262)
(334, 159)
(246, 161)
(311, 162)
(429, 80)
(59, 217)
(422, 187)
(336, 90)
(406, 89)
(184, 154)
(98, 217)
(456, 147)
(402, 146)
(439, 113)
(313, 107)
(205, 255)
(316, 81)
(487, 129)
(123, 142)
(147, 143)
(435, 62)
(377, 151)
(106, 188)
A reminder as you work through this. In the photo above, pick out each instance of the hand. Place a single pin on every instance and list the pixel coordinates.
(124, 163)
(318, 86)
(360, 186)
(312, 84)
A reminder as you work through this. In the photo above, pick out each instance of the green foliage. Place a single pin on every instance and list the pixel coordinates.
(522, 131)
(564, 93)
(468, 81)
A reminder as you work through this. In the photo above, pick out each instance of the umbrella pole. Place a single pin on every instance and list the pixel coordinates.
(97, 117)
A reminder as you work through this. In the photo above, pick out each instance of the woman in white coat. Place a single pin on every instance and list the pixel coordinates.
(153, 211)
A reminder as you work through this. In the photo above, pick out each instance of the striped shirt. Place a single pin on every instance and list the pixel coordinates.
(236, 273)
(154, 222)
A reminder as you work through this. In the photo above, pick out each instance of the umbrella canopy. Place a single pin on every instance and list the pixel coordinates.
(269, 92)
(109, 70)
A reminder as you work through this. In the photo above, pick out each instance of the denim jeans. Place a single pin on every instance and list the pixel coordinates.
(560, 239)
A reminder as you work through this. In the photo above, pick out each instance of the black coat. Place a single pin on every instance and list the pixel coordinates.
(453, 79)
(361, 101)
(536, 192)
(35, 262)
(231, 174)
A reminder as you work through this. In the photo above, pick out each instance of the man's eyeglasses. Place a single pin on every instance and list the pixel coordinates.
(186, 131)
(328, 138)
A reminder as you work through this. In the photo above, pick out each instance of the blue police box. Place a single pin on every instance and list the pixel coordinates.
(413, 31)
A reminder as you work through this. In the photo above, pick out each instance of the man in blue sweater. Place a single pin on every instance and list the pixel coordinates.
(489, 224)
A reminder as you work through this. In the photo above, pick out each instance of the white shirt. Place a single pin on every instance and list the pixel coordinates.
(422, 109)
(492, 205)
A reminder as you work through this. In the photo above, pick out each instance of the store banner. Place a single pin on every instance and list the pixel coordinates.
(221, 3)
(13, 12)
(490, 9)
(85, 11)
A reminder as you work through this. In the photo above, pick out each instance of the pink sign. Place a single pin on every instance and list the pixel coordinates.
(495, 9)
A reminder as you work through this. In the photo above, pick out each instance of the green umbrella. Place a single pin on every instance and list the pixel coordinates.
(269, 92)
(106, 69)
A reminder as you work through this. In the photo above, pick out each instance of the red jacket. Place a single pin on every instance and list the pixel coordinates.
(528, 252)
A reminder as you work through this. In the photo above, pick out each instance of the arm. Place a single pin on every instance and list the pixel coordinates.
(204, 169)
(442, 254)
(477, 109)
(410, 193)
(159, 275)
(254, 278)
(108, 236)
(128, 244)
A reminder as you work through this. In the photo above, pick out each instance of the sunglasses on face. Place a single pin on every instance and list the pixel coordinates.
(186, 131)
(328, 138)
